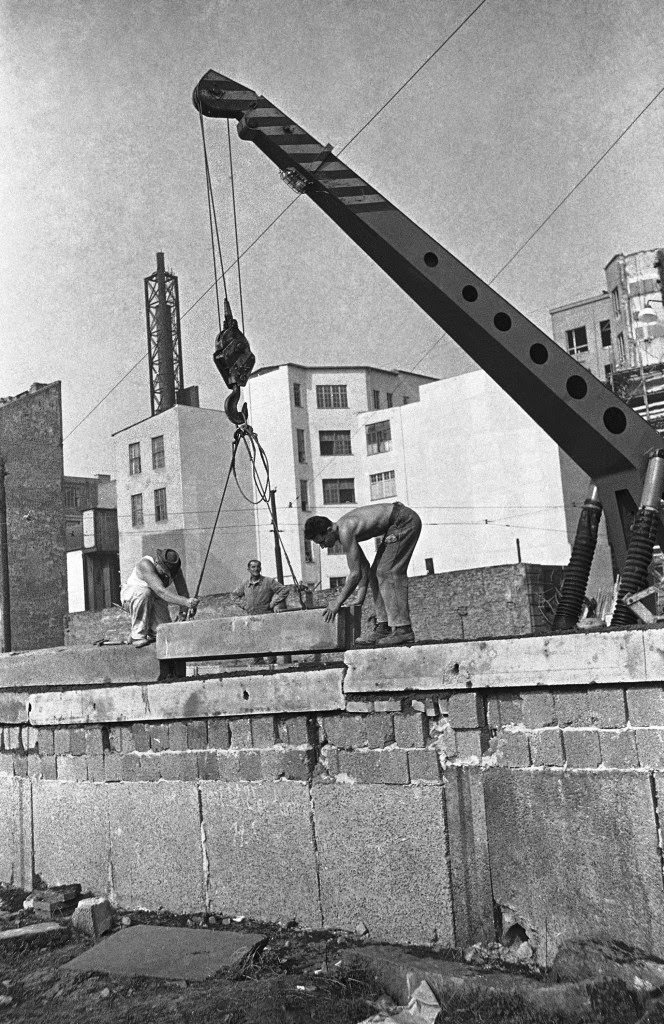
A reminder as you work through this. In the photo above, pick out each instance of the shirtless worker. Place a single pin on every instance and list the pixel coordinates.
(399, 528)
(146, 596)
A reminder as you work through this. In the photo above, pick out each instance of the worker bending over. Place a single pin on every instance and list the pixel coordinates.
(399, 528)
(146, 596)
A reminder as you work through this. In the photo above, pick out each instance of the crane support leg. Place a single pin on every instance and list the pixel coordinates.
(577, 572)
(643, 536)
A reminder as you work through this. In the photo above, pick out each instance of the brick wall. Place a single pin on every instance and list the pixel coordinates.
(502, 600)
(31, 442)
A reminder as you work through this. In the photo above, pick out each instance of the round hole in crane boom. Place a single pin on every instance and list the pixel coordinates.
(577, 387)
(538, 353)
(470, 293)
(502, 321)
(431, 259)
(614, 420)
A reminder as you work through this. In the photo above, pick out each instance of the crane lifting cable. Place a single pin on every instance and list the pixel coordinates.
(235, 362)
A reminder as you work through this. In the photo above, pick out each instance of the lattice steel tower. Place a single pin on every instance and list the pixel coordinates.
(162, 307)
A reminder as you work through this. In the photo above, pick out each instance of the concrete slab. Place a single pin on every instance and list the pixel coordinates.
(148, 951)
(289, 632)
(29, 932)
(71, 837)
(472, 897)
(575, 854)
(653, 642)
(55, 667)
(16, 833)
(260, 851)
(156, 853)
(276, 693)
(382, 853)
(568, 659)
(13, 707)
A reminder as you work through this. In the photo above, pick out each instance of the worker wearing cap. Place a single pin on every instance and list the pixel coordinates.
(145, 595)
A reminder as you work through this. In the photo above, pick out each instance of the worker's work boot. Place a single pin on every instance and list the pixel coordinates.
(372, 635)
(143, 641)
(401, 636)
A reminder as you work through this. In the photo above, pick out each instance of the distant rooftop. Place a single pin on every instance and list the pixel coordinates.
(33, 389)
(372, 369)
(580, 302)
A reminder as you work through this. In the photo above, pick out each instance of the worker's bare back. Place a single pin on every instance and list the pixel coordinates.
(363, 523)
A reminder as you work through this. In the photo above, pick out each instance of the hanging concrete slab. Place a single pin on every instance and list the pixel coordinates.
(148, 951)
(240, 636)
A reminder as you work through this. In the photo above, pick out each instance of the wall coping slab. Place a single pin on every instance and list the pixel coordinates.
(55, 667)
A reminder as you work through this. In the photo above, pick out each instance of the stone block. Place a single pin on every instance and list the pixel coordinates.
(94, 741)
(387, 707)
(71, 838)
(228, 765)
(61, 741)
(380, 730)
(148, 769)
(124, 736)
(518, 662)
(130, 767)
(410, 729)
(467, 710)
(384, 841)
(219, 736)
(289, 633)
(423, 765)
(538, 709)
(650, 747)
(115, 738)
(393, 767)
(262, 731)
(360, 707)
(156, 850)
(177, 736)
(77, 742)
(470, 743)
(297, 764)
(197, 738)
(294, 730)
(513, 748)
(240, 733)
(618, 748)
(575, 855)
(345, 731)
(113, 767)
(45, 742)
(291, 692)
(249, 765)
(469, 855)
(48, 768)
(72, 769)
(140, 737)
(93, 916)
(645, 705)
(158, 736)
(16, 835)
(361, 765)
(96, 768)
(54, 667)
(572, 707)
(582, 748)
(260, 851)
(607, 707)
(6, 764)
(546, 748)
(13, 706)
(20, 763)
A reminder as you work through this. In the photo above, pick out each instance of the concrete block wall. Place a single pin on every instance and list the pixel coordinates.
(426, 792)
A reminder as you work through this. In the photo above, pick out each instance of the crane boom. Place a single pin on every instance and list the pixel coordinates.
(607, 439)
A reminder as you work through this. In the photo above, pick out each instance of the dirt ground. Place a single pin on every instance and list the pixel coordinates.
(297, 977)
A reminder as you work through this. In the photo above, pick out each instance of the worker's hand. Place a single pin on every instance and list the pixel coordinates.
(192, 605)
(277, 608)
(331, 611)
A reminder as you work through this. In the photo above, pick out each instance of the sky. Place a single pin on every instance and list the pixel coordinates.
(102, 167)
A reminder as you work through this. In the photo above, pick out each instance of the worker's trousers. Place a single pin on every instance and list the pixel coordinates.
(388, 575)
(146, 609)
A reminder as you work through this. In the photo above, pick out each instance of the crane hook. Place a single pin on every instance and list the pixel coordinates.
(235, 415)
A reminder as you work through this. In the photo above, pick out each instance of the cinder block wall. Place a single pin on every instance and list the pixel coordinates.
(497, 600)
(417, 791)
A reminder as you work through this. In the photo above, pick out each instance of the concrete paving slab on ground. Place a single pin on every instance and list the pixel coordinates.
(150, 951)
(155, 846)
(242, 635)
(71, 838)
(382, 853)
(576, 854)
(55, 667)
(260, 851)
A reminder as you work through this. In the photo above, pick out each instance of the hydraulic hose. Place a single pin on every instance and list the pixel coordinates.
(577, 572)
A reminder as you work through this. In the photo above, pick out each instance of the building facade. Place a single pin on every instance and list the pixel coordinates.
(170, 473)
(31, 445)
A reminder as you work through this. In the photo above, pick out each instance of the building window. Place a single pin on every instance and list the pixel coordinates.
(608, 370)
(339, 492)
(379, 437)
(376, 400)
(390, 399)
(158, 454)
(137, 510)
(336, 549)
(615, 299)
(334, 442)
(382, 485)
(308, 551)
(304, 495)
(337, 582)
(428, 565)
(605, 333)
(621, 346)
(297, 395)
(301, 450)
(160, 510)
(72, 498)
(406, 400)
(577, 340)
(331, 396)
(134, 459)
